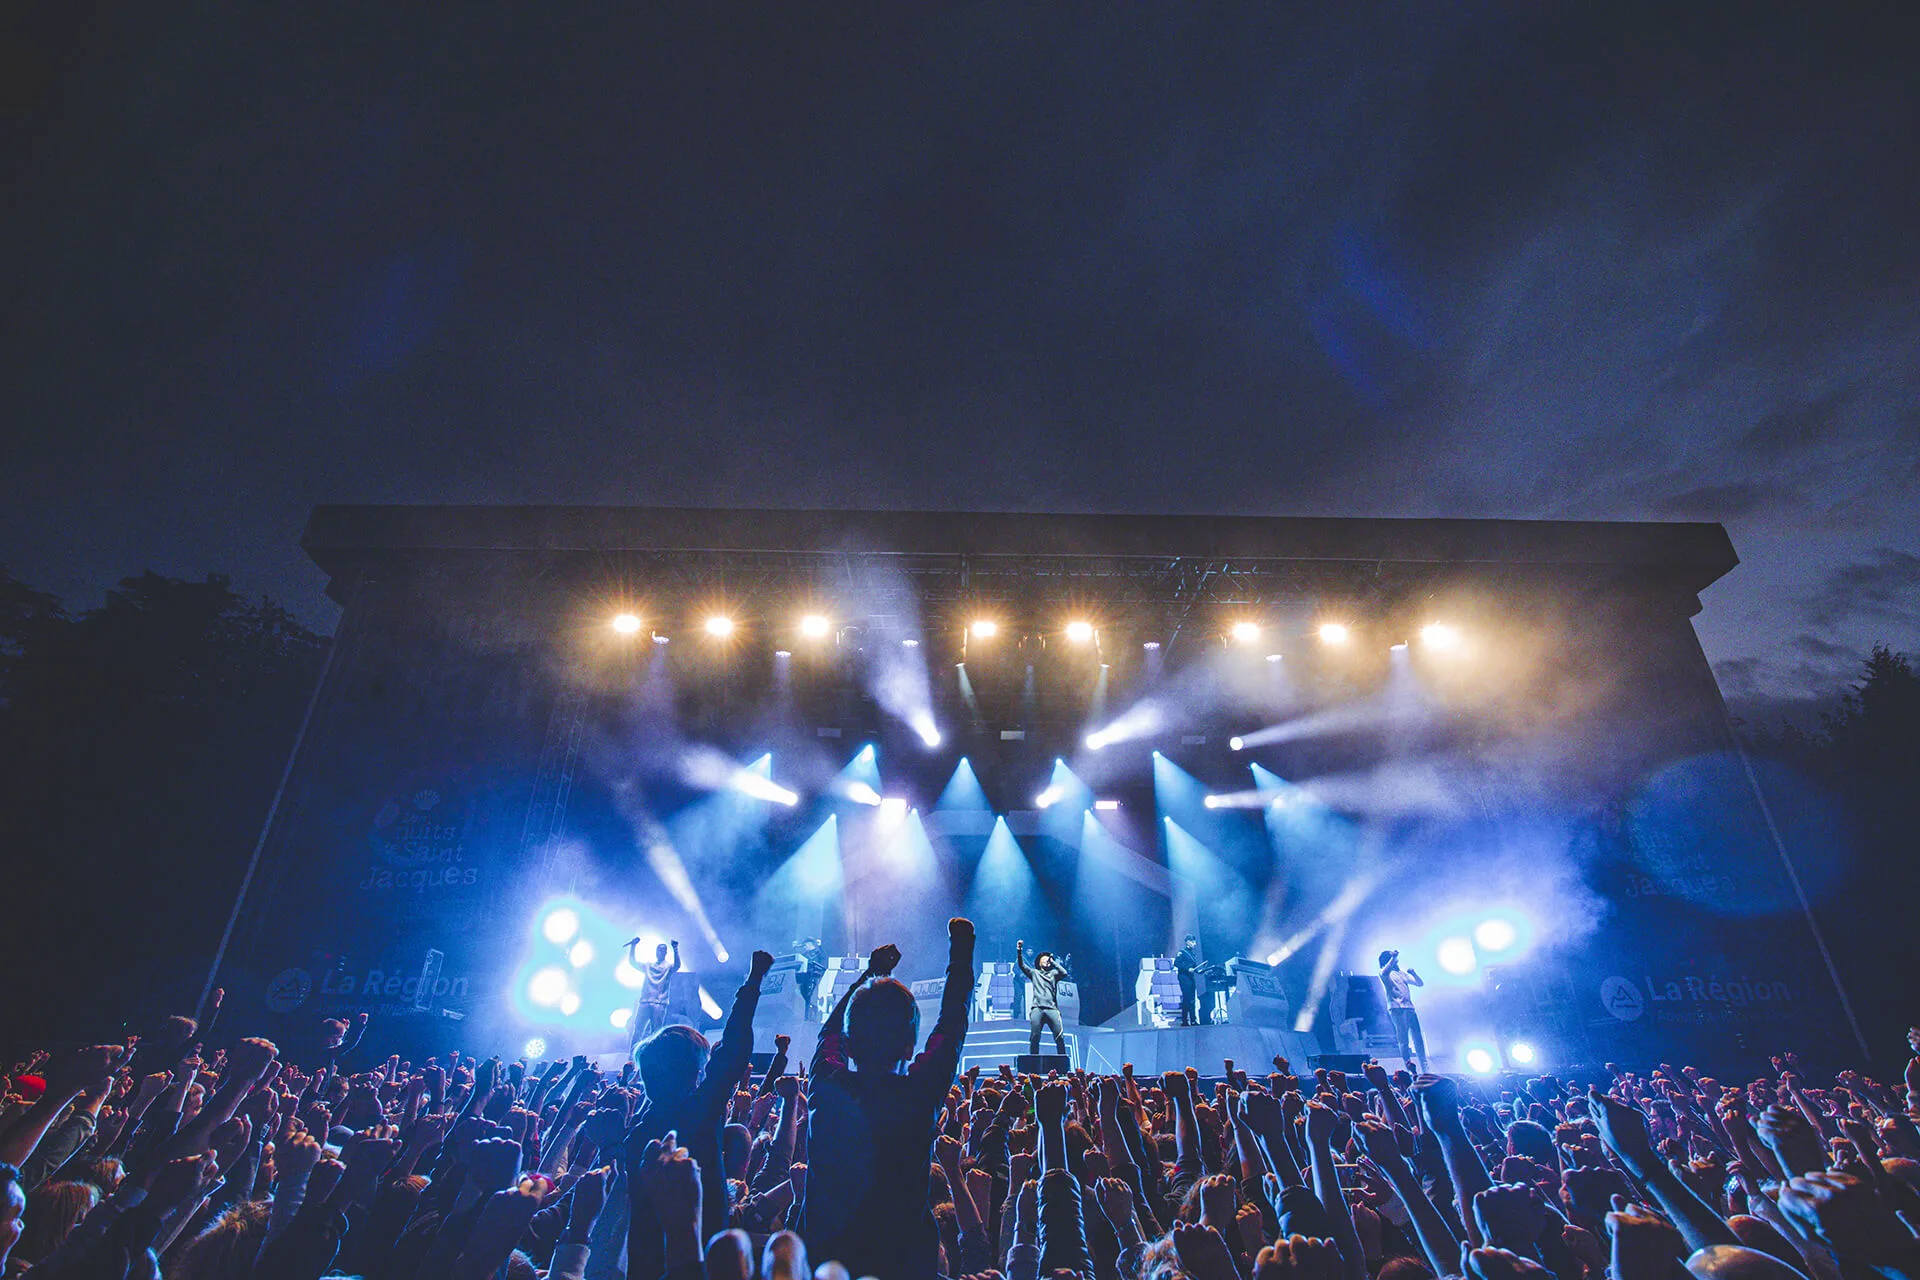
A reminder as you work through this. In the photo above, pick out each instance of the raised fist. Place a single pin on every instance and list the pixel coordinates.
(883, 960)
(959, 928)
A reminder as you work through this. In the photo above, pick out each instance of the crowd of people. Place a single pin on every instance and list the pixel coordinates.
(176, 1156)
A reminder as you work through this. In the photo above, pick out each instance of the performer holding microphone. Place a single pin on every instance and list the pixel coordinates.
(1044, 977)
(656, 986)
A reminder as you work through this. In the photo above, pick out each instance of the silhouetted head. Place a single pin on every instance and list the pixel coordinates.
(883, 1025)
(1044, 960)
(1191, 942)
(672, 1061)
(1388, 959)
(660, 954)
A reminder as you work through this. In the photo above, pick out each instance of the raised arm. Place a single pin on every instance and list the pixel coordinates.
(942, 1055)
(829, 1051)
(674, 967)
(1020, 959)
(730, 1057)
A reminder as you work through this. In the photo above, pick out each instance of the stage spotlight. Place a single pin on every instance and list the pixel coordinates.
(628, 976)
(581, 954)
(1237, 743)
(929, 732)
(1049, 797)
(625, 623)
(1079, 632)
(1397, 648)
(1521, 1052)
(1246, 632)
(708, 1005)
(570, 1003)
(1274, 657)
(1150, 645)
(719, 626)
(720, 952)
(984, 628)
(547, 987)
(892, 810)
(1106, 806)
(910, 643)
(1095, 741)
(1456, 955)
(619, 1019)
(1334, 633)
(1495, 934)
(534, 1048)
(560, 925)
(1212, 802)
(1479, 1060)
(659, 639)
(815, 626)
(1440, 637)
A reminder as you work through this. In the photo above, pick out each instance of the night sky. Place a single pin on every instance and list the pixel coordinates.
(1619, 262)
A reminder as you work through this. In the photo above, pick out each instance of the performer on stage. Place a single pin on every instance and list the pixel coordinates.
(1406, 1023)
(656, 980)
(1044, 977)
(1187, 965)
(812, 953)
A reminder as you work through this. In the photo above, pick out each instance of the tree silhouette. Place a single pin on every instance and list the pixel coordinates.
(144, 739)
(1867, 755)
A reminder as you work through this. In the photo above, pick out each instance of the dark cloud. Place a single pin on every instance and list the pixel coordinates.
(1716, 501)
(1602, 260)
(1793, 429)
(1884, 586)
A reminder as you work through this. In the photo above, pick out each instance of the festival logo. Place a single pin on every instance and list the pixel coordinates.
(1621, 998)
(288, 990)
(418, 839)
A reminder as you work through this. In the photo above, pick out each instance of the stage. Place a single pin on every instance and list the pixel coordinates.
(1103, 1050)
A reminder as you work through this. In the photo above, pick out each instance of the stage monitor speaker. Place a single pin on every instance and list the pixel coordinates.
(1351, 1063)
(1039, 1064)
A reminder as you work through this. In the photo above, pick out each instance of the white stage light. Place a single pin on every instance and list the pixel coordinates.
(1456, 955)
(1334, 633)
(1521, 1052)
(708, 1005)
(929, 732)
(627, 976)
(1212, 802)
(534, 1048)
(1106, 806)
(619, 1019)
(625, 623)
(910, 643)
(1049, 797)
(862, 793)
(1495, 934)
(747, 782)
(1079, 632)
(560, 925)
(1480, 1061)
(1246, 632)
(719, 626)
(985, 628)
(581, 955)
(1440, 637)
(1237, 743)
(815, 627)
(547, 987)
(570, 1003)
(893, 809)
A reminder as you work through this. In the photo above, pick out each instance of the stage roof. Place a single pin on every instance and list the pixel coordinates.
(1687, 555)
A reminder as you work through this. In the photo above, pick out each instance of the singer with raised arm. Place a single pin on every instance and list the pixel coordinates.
(656, 983)
(1044, 977)
(1406, 1023)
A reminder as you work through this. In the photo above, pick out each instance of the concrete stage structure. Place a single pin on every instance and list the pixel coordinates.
(484, 745)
